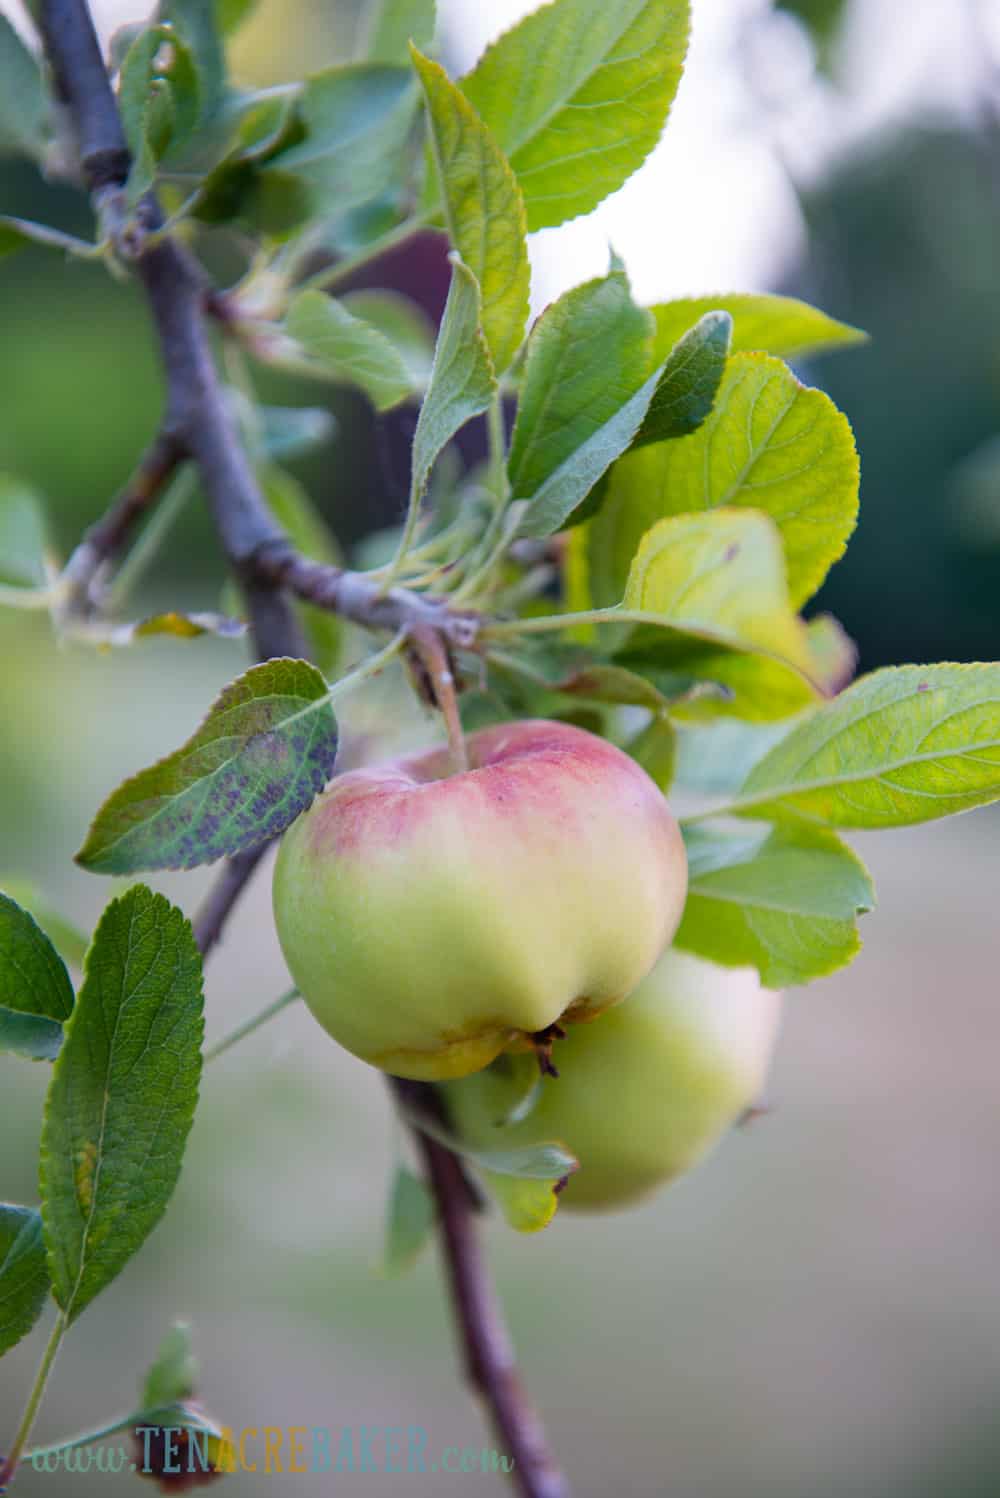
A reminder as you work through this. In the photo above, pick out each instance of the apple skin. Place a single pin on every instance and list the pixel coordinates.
(431, 919)
(642, 1093)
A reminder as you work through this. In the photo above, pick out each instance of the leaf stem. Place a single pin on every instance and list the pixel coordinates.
(34, 1399)
(86, 1437)
(507, 627)
(253, 1023)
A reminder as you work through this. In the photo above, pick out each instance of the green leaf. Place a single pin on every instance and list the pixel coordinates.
(577, 95)
(159, 100)
(689, 381)
(290, 431)
(196, 23)
(230, 14)
(484, 210)
(903, 745)
(721, 578)
(336, 344)
(587, 356)
(778, 325)
(769, 443)
(292, 508)
(462, 383)
(23, 103)
(24, 1275)
(22, 535)
(404, 323)
(784, 901)
(18, 233)
(265, 750)
(122, 1096)
(68, 940)
(36, 995)
(394, 24)
(409, 1222)
(655, 749)
(356, 120)
(173, 1375)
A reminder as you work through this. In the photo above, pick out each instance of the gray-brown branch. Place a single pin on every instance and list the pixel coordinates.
(198, 425)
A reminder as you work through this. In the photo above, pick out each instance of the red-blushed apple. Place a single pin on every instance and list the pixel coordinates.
(644, 1091)
(430, 919)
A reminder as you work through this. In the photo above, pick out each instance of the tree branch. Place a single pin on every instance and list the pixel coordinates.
(105, 539)
(266, 564)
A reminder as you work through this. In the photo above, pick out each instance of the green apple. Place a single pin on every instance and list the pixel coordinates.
(431, 919)
(643, 1092)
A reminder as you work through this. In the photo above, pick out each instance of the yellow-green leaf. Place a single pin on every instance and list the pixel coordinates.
(484, 210)
(577, 95)
(768, 324)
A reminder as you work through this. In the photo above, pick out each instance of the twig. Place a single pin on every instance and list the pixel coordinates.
(266, 564)
(210, 920)
(103, 541)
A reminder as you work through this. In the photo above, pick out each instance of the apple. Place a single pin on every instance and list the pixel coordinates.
(642, 1093)
(430, 919)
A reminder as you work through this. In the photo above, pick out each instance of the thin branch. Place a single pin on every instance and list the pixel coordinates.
(210, 921)
(267, 565)
(83, 572)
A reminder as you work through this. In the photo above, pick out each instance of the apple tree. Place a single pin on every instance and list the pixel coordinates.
(570, 989)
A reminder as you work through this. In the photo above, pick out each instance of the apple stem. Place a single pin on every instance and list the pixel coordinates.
(437, 685)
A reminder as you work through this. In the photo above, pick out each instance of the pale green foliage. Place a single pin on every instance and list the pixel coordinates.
(393, 24)
(23, 105)
(577, 95)
(769, 324)
(409, 1221)
(719, 577)
(784, 901)
(770, 444)
(484, 210)
(903, 745)
(331, 341)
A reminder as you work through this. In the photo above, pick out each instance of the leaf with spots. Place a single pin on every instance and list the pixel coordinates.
(900, 746)
(122, 1096)
(24, 1275)
(36, 995)
(265, 750)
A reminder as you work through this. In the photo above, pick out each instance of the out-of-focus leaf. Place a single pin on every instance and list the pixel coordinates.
(22, 535)
(292, 508)
(18, 233)
(404, 323)
(173, 1374)
(341, 346)
(409, 1221)
(24, 1275)
(394, 24)
(23, 104)
(68, 940)
(36, 996)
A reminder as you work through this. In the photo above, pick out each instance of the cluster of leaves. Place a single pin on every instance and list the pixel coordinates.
(670, 498)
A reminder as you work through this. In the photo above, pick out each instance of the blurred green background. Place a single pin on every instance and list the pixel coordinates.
(812, 1314)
